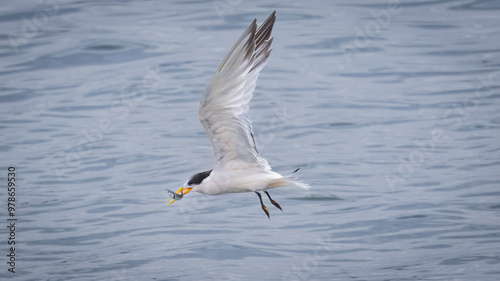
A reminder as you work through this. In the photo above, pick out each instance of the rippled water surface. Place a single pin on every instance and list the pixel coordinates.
(390, 108)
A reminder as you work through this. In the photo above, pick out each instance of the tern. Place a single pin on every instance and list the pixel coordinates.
(223, 114)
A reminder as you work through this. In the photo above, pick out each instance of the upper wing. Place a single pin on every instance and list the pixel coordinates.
(225, 103)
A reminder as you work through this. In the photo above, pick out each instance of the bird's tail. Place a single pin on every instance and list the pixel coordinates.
(290, 180)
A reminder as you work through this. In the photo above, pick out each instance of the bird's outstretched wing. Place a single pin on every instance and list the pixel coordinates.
(223, 109)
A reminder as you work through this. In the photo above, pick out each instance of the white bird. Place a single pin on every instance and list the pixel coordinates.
(223, 114)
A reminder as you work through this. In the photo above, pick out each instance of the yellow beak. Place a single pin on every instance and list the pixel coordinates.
(182, 190)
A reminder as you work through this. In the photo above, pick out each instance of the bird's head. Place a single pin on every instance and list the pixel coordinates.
(194, 181)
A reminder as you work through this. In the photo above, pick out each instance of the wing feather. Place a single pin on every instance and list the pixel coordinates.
(223, 109)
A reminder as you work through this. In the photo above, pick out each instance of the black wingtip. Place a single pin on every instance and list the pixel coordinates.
(296, 170)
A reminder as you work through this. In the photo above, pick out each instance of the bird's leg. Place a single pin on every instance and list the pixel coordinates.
(273, 202)
(262, 205)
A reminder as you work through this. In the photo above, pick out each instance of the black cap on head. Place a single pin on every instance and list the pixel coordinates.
(198, 178)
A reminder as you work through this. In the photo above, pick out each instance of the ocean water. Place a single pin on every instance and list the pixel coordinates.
(390, 109)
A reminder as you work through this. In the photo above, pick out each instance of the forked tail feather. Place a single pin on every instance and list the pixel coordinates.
(289, 180)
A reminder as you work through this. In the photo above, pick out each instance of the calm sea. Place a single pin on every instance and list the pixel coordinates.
(390, 108)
